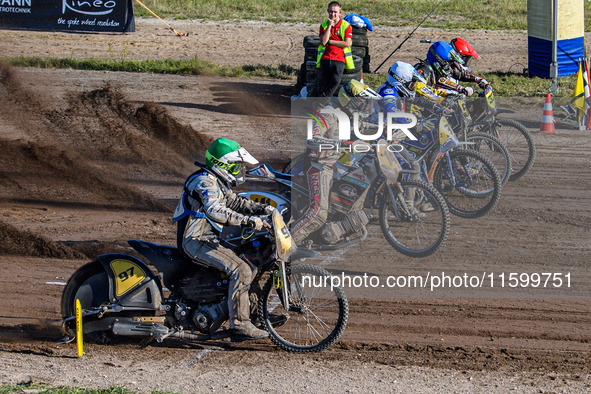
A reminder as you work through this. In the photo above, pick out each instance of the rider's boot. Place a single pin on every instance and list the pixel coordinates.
(246, 331)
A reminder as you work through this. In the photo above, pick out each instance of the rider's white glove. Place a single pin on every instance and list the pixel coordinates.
(468, 91)
(255, 222)
(269, 210)
(483, 83)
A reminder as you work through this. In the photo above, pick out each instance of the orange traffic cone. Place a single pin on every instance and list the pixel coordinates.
(547, 125)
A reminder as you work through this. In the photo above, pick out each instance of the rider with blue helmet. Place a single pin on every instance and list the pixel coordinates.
(444, 69)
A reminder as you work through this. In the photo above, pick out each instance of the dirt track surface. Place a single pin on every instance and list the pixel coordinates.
(90, 159)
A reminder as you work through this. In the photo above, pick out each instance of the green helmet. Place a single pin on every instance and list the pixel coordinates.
(226, 158)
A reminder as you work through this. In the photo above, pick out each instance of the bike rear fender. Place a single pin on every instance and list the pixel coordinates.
(131, 282)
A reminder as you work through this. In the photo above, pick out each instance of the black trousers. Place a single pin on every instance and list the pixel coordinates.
(329, 77)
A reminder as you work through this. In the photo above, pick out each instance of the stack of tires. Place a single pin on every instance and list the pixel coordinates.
(308, 75)
(360, 46)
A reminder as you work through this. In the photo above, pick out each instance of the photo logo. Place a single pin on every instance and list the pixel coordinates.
(85, 7)
(344, 124)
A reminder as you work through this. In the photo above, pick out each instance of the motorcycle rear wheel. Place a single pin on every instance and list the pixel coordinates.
(420, 233)
(317, 313)
(89, 284)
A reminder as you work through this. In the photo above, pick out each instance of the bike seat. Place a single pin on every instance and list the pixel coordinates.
(150, 249)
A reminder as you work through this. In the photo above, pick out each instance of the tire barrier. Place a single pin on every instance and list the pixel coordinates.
(308, 75)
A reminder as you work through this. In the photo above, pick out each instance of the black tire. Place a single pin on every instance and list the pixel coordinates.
(359, 51)
(418, 233)
(493, 149)
(519, 143)
(302, 80)
(311, 65)
(90, 284)
(311, 53)
(317, 313)
(475, 188)
(366, 60)
(361, 31)
(347, 77)
(311, 41)
(358, 62)
(360, 40)
(310, 56)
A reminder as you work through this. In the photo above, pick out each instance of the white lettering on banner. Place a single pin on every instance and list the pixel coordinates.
(345, 125)
(86, 7)
(15, 10)
(20, 3)
(108, 22)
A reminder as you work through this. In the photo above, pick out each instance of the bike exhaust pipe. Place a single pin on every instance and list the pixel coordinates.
(134, 329)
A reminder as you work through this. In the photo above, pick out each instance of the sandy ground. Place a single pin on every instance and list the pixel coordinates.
(90, 159)
(230, 43)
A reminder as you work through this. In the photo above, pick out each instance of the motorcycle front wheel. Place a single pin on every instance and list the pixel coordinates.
(420, 232)
(519, 143)
(469, 183)
(494, 150)
(317, 313)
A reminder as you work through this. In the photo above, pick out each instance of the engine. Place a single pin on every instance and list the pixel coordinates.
(334, 232)
(206, 286)
(209, 318)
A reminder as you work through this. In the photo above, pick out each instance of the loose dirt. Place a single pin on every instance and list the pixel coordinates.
(91, 159)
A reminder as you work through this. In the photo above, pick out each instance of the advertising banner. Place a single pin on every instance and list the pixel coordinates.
(68, 15)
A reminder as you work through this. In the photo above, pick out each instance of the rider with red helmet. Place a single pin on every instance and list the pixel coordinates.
(446, 66)
(464, 49)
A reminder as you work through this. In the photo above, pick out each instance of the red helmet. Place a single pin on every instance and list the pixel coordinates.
(464, 48)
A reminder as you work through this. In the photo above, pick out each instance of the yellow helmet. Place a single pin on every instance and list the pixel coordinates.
(357, 97)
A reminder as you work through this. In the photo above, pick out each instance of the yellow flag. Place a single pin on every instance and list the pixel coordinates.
(579, 93)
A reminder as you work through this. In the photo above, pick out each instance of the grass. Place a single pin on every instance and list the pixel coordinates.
(450, 14)
(33, 388)
(507, 84)
(194, 66)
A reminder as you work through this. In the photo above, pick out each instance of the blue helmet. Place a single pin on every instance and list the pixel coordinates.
(440, 50)
(403, 76)
(441, 56)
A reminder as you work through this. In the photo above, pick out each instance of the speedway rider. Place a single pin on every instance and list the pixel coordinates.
(445, 67)
(206, 205)
(466, 52)
(403, 82)
(354, 96)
